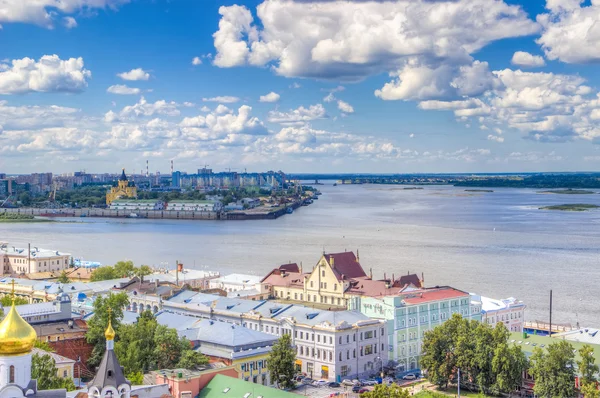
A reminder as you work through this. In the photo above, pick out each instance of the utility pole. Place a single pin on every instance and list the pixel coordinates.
(29, 258)
(458, 389)
(177, 273)
(550, 329)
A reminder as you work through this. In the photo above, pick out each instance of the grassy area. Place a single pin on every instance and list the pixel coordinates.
(14, 217)
(569, 192)
(571, 207)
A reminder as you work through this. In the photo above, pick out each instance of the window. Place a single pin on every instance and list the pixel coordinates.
(354, 353)
(318, 338)
(301, 335)
(325, 285)
(369, 335)
(340, 356)
(330, 356)
(331, 340)
(344, 371)
(295, 296)
(11, 374)
(323, 273)
(335, 287)
(361, 351)
(368, 350)
(353, 337)
(315, 298)
(65, 373)
(340, 339)
(311, 283)
(348, 354)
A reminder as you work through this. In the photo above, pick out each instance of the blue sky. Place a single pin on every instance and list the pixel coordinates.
(369, 86)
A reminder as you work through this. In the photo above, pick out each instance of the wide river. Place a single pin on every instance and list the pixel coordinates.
(495, 244)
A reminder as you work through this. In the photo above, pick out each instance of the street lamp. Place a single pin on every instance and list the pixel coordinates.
(381, 359)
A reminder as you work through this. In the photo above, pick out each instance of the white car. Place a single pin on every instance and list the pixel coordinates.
(409, 376)
(320, 383)
(347, 382)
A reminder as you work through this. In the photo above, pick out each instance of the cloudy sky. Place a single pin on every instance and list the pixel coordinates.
(300, 85)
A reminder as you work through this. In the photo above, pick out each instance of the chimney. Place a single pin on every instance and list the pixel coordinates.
(371, 273)
(422, 279)
(331, 261)
(393, 278)
(300, 266)
(384, 277)
(357, 256)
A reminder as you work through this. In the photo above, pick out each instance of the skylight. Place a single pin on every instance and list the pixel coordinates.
(225, 391)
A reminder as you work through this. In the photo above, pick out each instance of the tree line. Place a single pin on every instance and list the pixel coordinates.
(489, 363)
(122, 269)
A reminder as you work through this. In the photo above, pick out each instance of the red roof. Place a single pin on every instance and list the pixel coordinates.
(345, 265)
(292, 267)
(405, 280)
(432, 294)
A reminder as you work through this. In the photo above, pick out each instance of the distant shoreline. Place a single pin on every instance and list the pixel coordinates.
(571, 207)
(569, 191)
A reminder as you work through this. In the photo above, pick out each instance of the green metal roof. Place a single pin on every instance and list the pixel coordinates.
(238, 388)
(546, 341)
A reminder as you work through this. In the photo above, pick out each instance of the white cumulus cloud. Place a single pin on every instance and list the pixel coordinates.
(123, 90)
(301, 114)
(271, 97)
(350, 41)
(48, 74)
(69, 22)
(226, 99)
(524, 59)
(196, 61)
(571, 32)
(495, 138)
(43, 12)
(345, 107)
(134, 74)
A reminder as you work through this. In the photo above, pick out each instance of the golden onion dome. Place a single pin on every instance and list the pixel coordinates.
(110, 332)
(16, 335)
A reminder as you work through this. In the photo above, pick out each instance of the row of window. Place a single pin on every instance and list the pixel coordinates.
(504, 317)
(324, 299)
(254, 365)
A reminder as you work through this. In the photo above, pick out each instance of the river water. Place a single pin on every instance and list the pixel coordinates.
(496, 244)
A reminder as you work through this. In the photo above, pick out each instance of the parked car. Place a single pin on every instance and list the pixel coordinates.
(307, 380)
(320, 383)
(410, 376)
(363, 390)
(356, 388)
(299, 378)
(347, 382)
(356, 382)
(333, 384)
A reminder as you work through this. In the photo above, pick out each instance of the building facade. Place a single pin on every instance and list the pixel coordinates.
(137, 205)
(194, 205)
(510, 312)
(16, 260)
(122, 189)
(330, 345)
(333, 281)
(410, 314)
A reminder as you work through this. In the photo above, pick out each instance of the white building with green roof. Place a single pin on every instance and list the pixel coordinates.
(194, 205)
(137, 204)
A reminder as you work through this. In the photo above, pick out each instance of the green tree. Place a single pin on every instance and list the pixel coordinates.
(43, 345)
(6, 301)
(43, 369)
(191, 359)
(136, 378)
(124, 269)
(142, 271)
(97, 325)
(103, 274)
(281, 362)
(63, 278)
(508, 365)
(168, 347)
(25, 199)
(554, 370)
(588, 369)
(135, 348)
(385, 391)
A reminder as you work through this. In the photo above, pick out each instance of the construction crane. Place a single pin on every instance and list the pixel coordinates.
(52, 195)
(5, 200)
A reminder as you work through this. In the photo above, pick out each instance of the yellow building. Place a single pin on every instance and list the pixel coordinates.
(124, 189)
(333, 281)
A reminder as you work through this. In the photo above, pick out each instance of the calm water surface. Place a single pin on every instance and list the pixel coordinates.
(496, 244)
